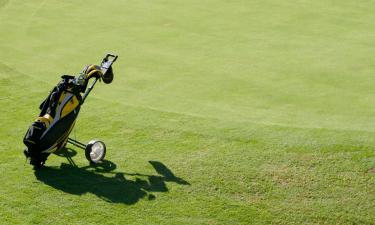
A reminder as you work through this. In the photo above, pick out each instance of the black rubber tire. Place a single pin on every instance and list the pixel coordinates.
(89, 149)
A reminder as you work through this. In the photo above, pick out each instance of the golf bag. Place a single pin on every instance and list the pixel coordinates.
(58, 112)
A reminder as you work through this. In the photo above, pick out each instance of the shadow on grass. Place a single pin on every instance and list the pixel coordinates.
(100, 180)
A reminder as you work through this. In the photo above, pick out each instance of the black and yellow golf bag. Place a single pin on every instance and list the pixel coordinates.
(59, 111)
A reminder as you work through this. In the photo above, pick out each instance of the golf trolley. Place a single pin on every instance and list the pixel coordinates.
(50, 131)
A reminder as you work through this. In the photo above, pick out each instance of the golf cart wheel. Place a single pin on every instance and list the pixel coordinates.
(95, 151)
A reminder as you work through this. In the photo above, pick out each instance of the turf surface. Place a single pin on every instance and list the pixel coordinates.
(221, 112)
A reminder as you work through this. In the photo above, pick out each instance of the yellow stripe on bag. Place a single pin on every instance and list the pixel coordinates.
(69, 106)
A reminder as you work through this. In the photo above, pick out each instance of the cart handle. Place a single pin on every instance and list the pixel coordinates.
(106, 58)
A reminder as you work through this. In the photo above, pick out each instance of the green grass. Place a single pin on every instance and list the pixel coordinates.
(221, 112)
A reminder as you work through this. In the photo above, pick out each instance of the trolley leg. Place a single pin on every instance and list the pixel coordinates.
(77, 143)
